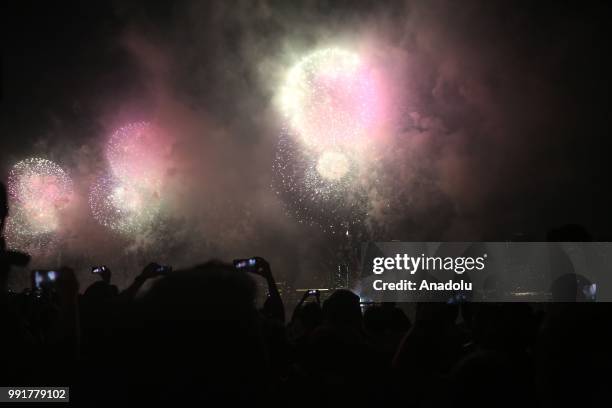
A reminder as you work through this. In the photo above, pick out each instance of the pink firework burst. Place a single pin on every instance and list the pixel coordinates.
(331, 98)
(41, 189)
(138, 153)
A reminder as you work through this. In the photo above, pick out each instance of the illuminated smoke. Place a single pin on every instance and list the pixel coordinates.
(332, 166)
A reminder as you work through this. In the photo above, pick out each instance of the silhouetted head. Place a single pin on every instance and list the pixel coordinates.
(310, 315)
(507, 327)
(436, 313)
(3, 206)
(342, 308)
(374, 320)
(489, 379)
(569, 233)
(385, 318)
(99, 292)
(572, 287)
(7, 258)
(200, 327)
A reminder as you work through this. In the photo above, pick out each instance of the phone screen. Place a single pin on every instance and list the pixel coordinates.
(43, 277)
(164, 269)
(245, 263)
(38, 279)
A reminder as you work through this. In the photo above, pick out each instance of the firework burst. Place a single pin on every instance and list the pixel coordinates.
(128, 200)
(40, 189)
(319, 189)
(123, 207)
(137, 153)
(21, 236)
(332, 101)
(333, 166)
(330, 98)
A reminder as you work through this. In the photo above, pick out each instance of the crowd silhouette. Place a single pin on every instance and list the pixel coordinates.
(197, 337)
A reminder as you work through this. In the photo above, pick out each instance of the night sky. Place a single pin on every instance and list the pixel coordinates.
(505, 124)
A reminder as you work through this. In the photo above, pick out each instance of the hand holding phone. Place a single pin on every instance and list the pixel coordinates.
(256, 265)
(98, 269)
(103, 271)
(245, 264)
(43, 279)
(163, 269)
(154, 269)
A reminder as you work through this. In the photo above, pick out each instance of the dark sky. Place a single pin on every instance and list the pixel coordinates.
(513, 103)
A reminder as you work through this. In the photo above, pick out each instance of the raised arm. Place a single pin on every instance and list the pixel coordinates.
(277, 308)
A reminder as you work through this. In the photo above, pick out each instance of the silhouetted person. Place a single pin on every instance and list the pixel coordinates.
(102, 290)
(569, 233)
(306, 317)
(3, 207)
(98, 311)
(573, 341)
(489, 379)
(385, 325)
(7, 258)
(197, 338)
(430, 349)
(330, 361)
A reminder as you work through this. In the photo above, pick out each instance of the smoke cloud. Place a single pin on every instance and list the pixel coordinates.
(477, 145)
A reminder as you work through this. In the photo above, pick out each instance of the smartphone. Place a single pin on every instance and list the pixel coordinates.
(43, 278)
(246, 264)
(590, 291)
(457, 299)
(164, 269)
(98, 269)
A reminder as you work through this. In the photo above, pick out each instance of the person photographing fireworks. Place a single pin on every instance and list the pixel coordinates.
(273, 307)
(7, 258)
